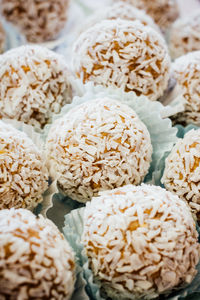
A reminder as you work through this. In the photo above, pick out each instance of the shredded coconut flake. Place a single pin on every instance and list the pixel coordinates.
(39, 20)
(186, 72)
(36, 260)
(34, 84)
(182, 170)
(141, 241)
(185, 35)
(123, 54)
(120, 10)
(23, 174)
(99, 145)
(164, 12)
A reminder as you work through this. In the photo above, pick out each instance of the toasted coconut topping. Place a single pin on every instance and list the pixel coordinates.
(99, 145)
(164, 12)
(23, 176)
(123, 54)
(182, 170)
(36, 260)
(141, 241)
(186, 72)
(185, 35)
(34, 83)
(39, 20)
(120, 10)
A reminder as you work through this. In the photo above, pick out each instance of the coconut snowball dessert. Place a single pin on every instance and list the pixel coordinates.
(141, 242)
(123, 54)
(98, 145)
(182, 170)
(23, 173)
(34, 84)
(186, 73)
(39, 21)
(120, 10)
(185, 35)
(2, 38)
(36, 260)
(164, 12)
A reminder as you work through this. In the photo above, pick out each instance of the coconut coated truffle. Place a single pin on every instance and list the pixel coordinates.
(164, 12)
(185, 35)
(36, 260)
(120, 10)
(141, 242)
(34, 84)
(38, 20)
(182, 170)
(186, 73)
(123, 54)
(23, 173)
(98, 145)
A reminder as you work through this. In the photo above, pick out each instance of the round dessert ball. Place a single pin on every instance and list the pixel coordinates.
(36, 260)
(34, 84)
(38, 20)
(23, 173)
(120, 10)
(2, 38)
(186, 73)
(182, 170)
(98, 145)
(164, 12)
(185, 35)
(123, 54)
(141, 242)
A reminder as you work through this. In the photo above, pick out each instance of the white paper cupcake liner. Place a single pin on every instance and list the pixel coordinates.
(80, 285)
(13, 37)
(60, 205)
(29, 130)
(73, 230)
(173, 102)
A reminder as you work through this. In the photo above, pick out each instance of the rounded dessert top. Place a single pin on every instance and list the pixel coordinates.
(141, 241)
(182, 170)
(186, 72)
(98, 145)
(185, 35)
(23, 174)
(36, 260)
(123, 54)
(120, 10)
(34, 84)
(164, 12)
(39, 20)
